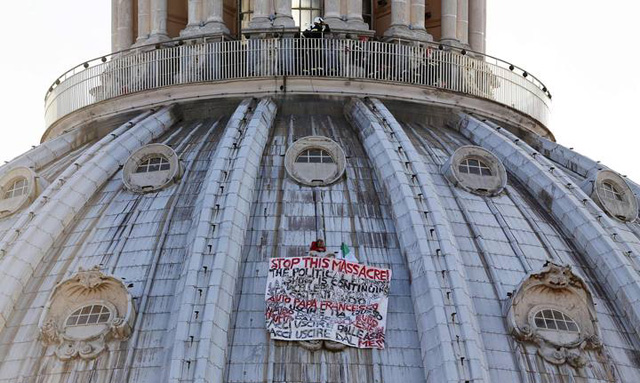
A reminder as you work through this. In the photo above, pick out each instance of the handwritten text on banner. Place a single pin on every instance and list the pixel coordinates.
(327, 298)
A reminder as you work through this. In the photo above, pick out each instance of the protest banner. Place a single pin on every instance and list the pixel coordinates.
(326, 298)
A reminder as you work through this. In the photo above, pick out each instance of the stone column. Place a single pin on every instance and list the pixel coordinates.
(114, 25)
(449, 24)
(477, 24)
(418, 20)
(400, 19)
(213, 15)
(158, 21)
(333, 14)
(462, 21)
(125, 24)
(144, 21)
(195, 18)
(354, 16)
(283, 14)
(407, 21)
(261, 13)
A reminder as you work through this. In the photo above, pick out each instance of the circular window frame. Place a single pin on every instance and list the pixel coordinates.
(315, 142)
(148, 182)
(627, 209)
(8, 206)
(485, 185)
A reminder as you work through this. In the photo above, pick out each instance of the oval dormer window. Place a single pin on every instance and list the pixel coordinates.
(89, 320)
(89, 315)
(153, 164)
(315, 156)
(549, 319)
(315, 161)
(474, 166)
(610, 192)
(18, 188)
(85, 314)
(613, 194)
(151, 168)
(476, 170)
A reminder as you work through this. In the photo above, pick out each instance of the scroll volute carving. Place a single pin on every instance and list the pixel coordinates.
(555, 289)
(84, 313)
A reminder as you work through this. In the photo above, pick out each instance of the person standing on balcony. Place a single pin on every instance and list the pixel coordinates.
(318, 30)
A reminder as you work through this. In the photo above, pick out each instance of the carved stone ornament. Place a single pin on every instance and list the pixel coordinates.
(555, 289)
(84, 313)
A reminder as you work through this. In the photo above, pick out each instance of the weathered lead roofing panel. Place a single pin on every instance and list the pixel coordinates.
(349, 211)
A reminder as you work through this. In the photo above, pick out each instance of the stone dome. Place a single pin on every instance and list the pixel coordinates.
(472, 272)
(137, 242)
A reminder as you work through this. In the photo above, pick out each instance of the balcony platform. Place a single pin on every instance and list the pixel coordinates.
(427, 74)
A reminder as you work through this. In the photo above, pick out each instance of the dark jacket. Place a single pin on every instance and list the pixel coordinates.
(317, 31)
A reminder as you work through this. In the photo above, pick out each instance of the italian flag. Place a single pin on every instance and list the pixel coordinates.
(346, 253)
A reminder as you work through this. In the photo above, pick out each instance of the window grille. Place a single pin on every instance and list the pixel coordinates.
(87, 315)
(554, 320)
(153, 164)
(610, 192)
(473, 166)
(304, 11)
(317, 156)
(17, 188)
(246, 13)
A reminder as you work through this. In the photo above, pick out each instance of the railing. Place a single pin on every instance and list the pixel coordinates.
(430, 66)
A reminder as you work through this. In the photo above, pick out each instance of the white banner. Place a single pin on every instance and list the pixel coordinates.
(327, 298)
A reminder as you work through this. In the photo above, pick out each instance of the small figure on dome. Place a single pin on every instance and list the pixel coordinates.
(318, 248)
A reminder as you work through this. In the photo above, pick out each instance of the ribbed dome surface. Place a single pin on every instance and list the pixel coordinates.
(194, 255)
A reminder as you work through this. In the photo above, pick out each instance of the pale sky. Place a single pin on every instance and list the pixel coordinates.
(582, 50)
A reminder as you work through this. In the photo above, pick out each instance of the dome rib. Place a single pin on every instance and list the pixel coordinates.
(229, 188)
(164, 233)
(566, 207)
(13, 234)
(38, 236)
(412, 231)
